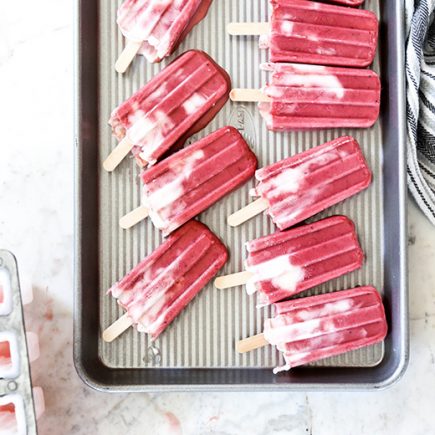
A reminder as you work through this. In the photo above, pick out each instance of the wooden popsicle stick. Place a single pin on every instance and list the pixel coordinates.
(249, 96)
(251, 343)
(117, 155)
(117, 328)
(248, 29)
(233, 280)
(134, 217)
(247, 212)
(127, 56)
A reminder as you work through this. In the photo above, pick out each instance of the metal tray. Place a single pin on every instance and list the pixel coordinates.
(197, 350)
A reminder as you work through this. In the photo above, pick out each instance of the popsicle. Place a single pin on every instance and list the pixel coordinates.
(9, 357)
(179, 101)
(5, 293)
(348, 2)
(298, 187)
(304, 31)
(12, 415)
(317, 327)
(161, 285)
(155, 28)
(283, 264)
(309, 97)
(191, 180)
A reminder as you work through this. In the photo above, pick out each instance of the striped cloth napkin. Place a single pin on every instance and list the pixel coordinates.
(420, 77)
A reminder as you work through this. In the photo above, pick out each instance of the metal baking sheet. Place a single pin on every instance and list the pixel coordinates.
(197, 350)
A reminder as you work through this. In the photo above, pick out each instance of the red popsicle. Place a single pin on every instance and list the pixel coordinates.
(283, 264)
(162, 284)
(155, 28)
(308, 329)
(300, 186)
(179, 101)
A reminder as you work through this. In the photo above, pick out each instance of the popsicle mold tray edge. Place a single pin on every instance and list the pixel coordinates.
(204, 334)
(16, 398)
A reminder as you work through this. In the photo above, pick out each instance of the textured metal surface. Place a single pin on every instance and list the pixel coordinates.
(203, 335)
(14, 323)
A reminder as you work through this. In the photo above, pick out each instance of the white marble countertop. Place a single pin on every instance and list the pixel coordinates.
(36, 223)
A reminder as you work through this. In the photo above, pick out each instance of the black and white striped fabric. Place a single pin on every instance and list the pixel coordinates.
(420, 77)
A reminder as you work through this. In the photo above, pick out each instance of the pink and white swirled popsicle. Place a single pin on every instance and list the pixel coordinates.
(310, 32)
(309, 329)
(311, 97)
(179, 101)
(286, 263)
(348, 2)
(300, 186)
(160, 286)
(191, 180)
(303, 31)
(155, 28)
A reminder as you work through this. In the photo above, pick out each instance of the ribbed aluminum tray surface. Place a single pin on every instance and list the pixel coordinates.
(203, 335)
